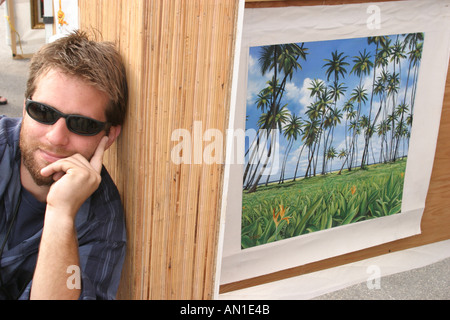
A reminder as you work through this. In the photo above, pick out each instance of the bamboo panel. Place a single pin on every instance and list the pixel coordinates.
(178, 56)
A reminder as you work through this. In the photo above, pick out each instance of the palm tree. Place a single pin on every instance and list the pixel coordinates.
(323, 104)
(279, 119)
(362, 65)
(392, 88)
(415, 44)
(378, 61)
(331, 154)
(342, 154)
(400, 112)
(412, 39)
(284, 61)
(317, 110)
(336, 91)
(382, 129)
(401, 132)
(336, 68)
(336, 65)
(397, 54)
(292, 130)
(264, 101)
(415, 55)
(333, 118)
(379, 89)
(348, 108)
(310, 134)
(359, 95)
(364, 125)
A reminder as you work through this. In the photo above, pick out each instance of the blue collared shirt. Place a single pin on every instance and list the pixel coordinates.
(99, 222)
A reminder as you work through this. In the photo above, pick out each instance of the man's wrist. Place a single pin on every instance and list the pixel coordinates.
(61, 218)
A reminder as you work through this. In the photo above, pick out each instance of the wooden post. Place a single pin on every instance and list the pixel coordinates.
(179, 57)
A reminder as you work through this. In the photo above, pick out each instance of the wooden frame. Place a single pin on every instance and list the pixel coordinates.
(37, 14)
(11, 14)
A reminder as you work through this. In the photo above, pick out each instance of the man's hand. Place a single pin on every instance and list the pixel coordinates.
(76, 179)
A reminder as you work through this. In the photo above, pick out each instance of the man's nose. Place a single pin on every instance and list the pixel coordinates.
(58, 133)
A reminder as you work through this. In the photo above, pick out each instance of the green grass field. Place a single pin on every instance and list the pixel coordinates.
(281, 211)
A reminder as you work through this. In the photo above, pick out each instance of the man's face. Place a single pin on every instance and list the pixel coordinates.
(43, 144)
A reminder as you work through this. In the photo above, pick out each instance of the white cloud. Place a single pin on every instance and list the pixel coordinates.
(306, 99)
(252, 65)
(293, 92)
(256, 82)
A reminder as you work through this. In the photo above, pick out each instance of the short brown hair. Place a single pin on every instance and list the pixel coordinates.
(98, 63)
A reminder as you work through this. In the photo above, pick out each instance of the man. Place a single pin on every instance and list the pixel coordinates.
(62, 232)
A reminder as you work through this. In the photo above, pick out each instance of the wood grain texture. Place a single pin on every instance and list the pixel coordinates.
(179, 57)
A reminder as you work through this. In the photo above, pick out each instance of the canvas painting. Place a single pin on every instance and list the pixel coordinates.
(331, 121)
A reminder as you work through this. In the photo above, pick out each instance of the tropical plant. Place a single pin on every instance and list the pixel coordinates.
(291, 212)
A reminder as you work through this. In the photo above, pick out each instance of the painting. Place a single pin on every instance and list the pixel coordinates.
(341, 108)
(37, 14)
(339, 116)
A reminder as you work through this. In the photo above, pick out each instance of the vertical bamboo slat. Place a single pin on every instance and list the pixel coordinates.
(179, 57)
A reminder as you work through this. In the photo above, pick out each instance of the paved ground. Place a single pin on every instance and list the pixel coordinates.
(428, 283)
(13, 74)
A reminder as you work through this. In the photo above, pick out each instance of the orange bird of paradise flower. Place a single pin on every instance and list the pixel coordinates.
(280, 216)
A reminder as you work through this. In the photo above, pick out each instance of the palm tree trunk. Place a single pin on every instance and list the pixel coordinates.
(298, 161)
(261, 172)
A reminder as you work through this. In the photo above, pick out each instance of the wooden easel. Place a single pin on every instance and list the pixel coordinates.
(13, 32)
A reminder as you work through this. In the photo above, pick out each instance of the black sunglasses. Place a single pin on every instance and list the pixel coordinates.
(81, 125)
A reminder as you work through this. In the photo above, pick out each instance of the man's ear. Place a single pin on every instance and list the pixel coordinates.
(114, 132)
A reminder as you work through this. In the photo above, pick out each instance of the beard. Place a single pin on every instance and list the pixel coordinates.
(28, 150)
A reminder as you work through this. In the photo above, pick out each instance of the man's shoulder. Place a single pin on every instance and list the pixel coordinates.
(107, 194)
(8, 122)
(107, 209)
(108, 182)
(9, 132)
(9, 127)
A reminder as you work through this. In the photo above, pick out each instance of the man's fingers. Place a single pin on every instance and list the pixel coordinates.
(58, 176)
(97, 158)
(60, 167)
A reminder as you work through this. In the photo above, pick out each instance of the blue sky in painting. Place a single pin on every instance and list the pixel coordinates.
(298, 98)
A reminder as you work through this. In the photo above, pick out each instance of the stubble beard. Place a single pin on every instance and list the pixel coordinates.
(28, 150)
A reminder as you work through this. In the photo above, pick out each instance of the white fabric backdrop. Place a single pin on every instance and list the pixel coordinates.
(302, 24)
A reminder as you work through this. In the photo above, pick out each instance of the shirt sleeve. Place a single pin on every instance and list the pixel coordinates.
(101, 237)
(102, 243)
(100, 278)
(101, 268)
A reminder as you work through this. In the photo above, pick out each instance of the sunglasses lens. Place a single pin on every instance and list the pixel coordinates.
(84, 126)
(42, 113)
(77, 124)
